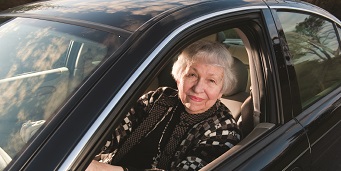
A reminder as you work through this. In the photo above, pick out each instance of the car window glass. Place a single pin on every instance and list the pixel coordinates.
(41, 64)
(315, 54)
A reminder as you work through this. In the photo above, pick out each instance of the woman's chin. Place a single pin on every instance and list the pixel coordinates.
(194, 110)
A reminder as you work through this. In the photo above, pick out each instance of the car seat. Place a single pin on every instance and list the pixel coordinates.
(238, 101)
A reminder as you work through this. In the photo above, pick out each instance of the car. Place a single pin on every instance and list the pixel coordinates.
(71, 69)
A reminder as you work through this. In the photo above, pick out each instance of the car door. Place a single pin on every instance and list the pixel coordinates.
(314, 46)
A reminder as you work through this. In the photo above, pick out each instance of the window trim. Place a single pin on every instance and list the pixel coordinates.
(298, 9)
(72, 157)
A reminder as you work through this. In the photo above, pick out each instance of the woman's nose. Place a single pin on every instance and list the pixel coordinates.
(199, 86)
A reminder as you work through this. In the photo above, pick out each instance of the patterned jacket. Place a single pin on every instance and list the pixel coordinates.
(211, 133)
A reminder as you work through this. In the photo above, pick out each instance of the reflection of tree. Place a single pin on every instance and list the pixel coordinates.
(312, 36)
(315, 49)
(311, 26)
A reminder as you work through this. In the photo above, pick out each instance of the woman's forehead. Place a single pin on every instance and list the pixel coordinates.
(206, 58)
(203, 67)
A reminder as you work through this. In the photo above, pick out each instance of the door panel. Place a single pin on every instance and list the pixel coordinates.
(325, 136)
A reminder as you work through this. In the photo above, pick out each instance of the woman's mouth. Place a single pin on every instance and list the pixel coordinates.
(195, 98)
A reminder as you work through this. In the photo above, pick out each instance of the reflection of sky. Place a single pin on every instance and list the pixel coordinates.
(25, 46)
(135, 7)
(125, 14)
(34, 78)
(23, 50)
(290, 20)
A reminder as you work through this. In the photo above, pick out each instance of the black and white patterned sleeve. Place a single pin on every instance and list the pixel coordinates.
(215, 141)
(134, 116)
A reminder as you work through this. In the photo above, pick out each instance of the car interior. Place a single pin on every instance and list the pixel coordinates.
(240, 101)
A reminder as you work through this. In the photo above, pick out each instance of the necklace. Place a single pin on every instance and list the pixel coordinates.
(158, 155)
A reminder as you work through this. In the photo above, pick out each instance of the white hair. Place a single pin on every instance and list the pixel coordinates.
(212, 53)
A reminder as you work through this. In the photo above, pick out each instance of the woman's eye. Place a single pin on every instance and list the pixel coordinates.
(191, 75)
(212, 81)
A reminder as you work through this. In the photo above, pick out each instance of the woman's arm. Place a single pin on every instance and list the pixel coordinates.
(98, 166)
(136, 114)
(215, 141)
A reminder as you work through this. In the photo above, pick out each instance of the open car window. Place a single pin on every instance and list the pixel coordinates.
(237, 43)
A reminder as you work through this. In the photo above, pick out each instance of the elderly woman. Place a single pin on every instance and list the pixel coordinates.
(180, 129)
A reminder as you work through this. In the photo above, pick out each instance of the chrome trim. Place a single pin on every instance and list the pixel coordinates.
(35, 74)
(331, 17)
(73, 155)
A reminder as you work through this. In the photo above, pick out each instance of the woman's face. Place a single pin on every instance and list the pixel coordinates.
(200, 86)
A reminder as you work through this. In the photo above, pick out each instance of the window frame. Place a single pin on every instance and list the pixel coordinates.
(180, 41)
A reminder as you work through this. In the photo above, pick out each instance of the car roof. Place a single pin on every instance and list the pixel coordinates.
(123, 14)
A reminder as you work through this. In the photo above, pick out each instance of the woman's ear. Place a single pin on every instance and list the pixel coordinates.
(220, 95)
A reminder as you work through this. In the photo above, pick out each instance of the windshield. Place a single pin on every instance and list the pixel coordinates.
(41, 64)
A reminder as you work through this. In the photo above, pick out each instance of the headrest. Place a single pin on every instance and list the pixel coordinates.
(239, 69)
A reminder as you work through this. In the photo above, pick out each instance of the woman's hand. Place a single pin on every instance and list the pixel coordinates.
(98, 166)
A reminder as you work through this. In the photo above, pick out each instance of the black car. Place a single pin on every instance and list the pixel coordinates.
(71, 69)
